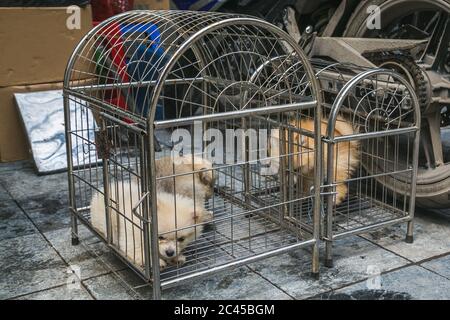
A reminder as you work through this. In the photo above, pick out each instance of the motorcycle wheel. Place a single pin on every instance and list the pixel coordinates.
(433, 182)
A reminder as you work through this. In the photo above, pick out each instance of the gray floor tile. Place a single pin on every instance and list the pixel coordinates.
(14, 223)
(4, 196)
(354, 257)
(109, 287)
(7, 203)
(29, 264)
(60, 293)
(292, 273)
(52, 202)
(431, 234)
(412, 282)
(91, 256)
(16, 165)
(239, 284)
(33, 191)
(50, 219)
(440, 266)
(25, 183)
(364, 294)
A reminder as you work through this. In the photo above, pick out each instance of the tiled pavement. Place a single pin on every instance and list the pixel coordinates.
(37, 260)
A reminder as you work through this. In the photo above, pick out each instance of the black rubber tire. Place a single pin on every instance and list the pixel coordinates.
(435, 194)
(435, 202)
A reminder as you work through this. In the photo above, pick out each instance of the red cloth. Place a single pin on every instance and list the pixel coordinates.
(103, 9)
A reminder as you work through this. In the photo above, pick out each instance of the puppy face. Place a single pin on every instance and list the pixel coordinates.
(177, 217)
(172, 244)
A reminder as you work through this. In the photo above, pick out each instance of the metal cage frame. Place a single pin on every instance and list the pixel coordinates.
(385, 82)
(184, 31)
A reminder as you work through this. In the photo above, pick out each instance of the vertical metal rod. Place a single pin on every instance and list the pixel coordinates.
(282, 161)
(246, 167)
(73, 218)
(145, 205)
(290, 168)
(317, 209)
(150, 229)
(330, 204)
(412, 201)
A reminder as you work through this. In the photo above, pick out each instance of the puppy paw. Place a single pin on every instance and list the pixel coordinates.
(203, 216)
(181, 259)
(208, 216)
(162, 264)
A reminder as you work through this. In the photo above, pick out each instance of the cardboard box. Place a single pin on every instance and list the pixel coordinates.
(13, 141)
(36, 43)
(151, 4)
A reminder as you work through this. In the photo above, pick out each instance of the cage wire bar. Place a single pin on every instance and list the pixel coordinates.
(163, 87)
(373, 117)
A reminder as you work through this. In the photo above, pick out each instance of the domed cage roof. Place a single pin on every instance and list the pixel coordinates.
(380, 101)
(146, 66)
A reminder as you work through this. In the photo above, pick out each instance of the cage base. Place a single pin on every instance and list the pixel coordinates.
(231, 238)
(360, 213)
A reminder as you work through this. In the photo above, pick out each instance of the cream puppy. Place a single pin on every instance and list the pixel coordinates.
(345, 154)
(177, 216)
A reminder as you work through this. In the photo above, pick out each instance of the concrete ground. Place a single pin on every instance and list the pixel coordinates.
(37, 260)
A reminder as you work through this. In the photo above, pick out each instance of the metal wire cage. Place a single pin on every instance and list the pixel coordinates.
(370, 130)
(178, 124)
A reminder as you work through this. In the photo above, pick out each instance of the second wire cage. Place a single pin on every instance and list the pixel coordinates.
(370, 132)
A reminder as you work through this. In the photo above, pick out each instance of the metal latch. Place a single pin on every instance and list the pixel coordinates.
(102, 144)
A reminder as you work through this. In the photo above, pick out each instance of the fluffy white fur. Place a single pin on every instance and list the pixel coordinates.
(194, 177)
(175, 212)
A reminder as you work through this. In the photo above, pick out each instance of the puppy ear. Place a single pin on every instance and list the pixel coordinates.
(207, 177)
(202, 215)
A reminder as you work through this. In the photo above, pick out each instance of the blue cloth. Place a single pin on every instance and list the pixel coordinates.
(144, 60)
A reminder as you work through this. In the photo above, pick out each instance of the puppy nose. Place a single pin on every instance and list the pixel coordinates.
(170, 252)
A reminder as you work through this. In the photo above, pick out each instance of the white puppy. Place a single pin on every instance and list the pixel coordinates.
(177, 216)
